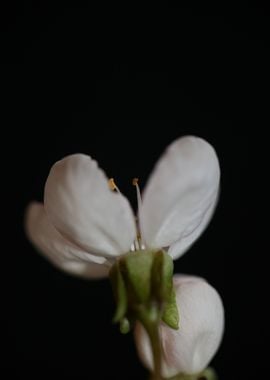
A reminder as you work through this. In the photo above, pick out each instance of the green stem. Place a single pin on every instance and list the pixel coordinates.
(157, 353)
(150, 319)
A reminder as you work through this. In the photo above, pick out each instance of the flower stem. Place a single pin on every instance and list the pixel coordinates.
(156, 350)
(150, 319)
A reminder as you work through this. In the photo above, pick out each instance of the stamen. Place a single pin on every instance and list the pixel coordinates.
(139, 244)
(135, 182)
(112, 185)
(136, 244)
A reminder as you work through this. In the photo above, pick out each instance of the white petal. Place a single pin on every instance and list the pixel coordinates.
(181, 190)
(82, 207)
(189, 349)
(88, 271)
(59, 251)
(183, 244)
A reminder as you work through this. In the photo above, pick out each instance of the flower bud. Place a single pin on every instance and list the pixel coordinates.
(189, 349)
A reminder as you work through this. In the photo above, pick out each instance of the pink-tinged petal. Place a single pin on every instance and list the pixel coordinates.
(58, 250)
(180, 195)
(190, 349)
(82, 207)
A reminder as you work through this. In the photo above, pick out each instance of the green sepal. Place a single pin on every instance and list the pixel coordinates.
(144, 279)
(209, 374)
(120, 293)
(138, 266)
(162, 276)
(170, 314)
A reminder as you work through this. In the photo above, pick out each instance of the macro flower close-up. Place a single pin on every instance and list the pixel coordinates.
(133, 145)
(87, 228)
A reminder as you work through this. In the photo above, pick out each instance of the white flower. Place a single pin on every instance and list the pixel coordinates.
(189, 349)
(84, 225)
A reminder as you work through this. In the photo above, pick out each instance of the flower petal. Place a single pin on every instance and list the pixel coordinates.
(58, 250)
(183, 244)
(189, 349)
(183, 187)
(82, 207)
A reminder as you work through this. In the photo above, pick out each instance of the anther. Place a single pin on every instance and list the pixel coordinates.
(112, 184)
(135, 181)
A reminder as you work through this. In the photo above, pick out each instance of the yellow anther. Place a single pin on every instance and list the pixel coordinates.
(135, 181)
(112, 184)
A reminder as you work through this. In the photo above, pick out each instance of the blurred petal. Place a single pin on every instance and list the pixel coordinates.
(82, 207)
(58, 250)
(180, 192)
(189, 349)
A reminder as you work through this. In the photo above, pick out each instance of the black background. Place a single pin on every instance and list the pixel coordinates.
(120, 84)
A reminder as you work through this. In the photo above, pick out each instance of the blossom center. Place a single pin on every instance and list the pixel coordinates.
(138, 243)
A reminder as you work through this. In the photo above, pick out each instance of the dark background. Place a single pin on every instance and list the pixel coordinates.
(120, 84)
